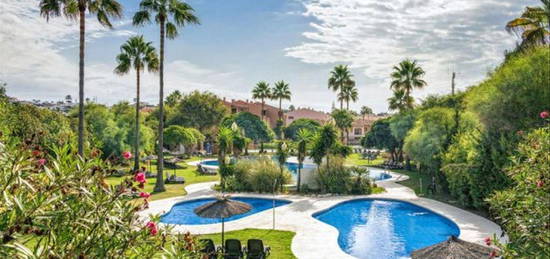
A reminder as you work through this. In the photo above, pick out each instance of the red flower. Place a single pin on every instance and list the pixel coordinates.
(540, 183)
(488, 241)
(153, 230)
(36, 152)
(493, 254)
(144, 195)
(41, 161)
(126, 155)
(545, 114)
(140, 177)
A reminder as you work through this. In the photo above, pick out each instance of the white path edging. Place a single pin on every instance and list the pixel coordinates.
(315, 239)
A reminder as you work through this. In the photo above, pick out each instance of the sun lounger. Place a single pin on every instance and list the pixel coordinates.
(233, 249)
(208, 249)
(255, 249)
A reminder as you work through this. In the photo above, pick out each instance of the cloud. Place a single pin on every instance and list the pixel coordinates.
(35, 66)
(466, 36)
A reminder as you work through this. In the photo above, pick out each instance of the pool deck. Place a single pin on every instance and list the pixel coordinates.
(315, 239)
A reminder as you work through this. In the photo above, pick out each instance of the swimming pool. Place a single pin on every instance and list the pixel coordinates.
(378, 228)
(378, 174)
(182, 213)
(374, 173)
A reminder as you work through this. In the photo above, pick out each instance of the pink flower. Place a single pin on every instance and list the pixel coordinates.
(126, 155)
(41, 161)
(493, 254)
(545, 114)
(488, 241)
(153, 230)
(540, 183)
(144, 195)
(140, 177)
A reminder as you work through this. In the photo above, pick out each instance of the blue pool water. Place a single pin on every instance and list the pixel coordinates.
(182, 213)
(210, 162)
(376, 228)
(378, 174)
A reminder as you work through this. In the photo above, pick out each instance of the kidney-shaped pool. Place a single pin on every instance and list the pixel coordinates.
(378, 228)
(182, 213)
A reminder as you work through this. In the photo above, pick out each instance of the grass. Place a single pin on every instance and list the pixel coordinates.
(172, 190)
(355, 159)
(278, 240)
(419, 183)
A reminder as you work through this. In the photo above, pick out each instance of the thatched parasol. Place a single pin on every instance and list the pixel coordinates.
(453, 248)
(222, 208)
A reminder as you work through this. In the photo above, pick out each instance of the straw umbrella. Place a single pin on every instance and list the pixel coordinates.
(222, 208)
(453, 248)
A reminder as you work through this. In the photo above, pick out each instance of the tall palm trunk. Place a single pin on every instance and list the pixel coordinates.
(159, 185)
(82, 13)
(341, 101)
(280, 108)
(347, 105)
(136, 140)
(262, 111)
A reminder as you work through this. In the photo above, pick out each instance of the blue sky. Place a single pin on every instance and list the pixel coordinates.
(241, 42)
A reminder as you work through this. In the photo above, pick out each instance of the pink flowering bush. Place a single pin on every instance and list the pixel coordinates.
(523, 210)
(140, 177)
(67, 210)
(127, 155)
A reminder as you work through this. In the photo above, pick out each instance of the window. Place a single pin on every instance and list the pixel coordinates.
(357, 131)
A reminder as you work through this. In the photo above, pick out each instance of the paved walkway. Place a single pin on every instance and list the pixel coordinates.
(315, 239)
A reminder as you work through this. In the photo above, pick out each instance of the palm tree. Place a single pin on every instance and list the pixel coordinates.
(533, 25)
(340, 77)
(407, 76)
(343, 120)
(137, 54)
(225, 143)
(365, 110)
(348, 93)
(73, 10)
(262, 92)
(168, 14)
(399, 101)
(279, 92)
(302, 139)
(323, 142)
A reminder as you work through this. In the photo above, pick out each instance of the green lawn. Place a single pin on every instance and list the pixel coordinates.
(278, 240)
(188, 172)
(355, 159)
(419, 183)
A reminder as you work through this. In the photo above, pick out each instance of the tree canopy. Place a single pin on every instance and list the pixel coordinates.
(291, 131)
(253, 127)
(199, 110)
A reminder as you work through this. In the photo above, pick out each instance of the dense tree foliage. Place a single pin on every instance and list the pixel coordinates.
(28, 123)
(291, 131)
(199, 110)
(380, 137)
(253, 127)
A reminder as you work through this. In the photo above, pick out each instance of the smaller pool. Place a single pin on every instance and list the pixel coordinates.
(210, 162)
(378, 174)
(182, 213)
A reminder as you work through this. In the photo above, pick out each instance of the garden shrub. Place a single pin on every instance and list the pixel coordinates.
(523, 210)
(256, 175)
(59, 206)
(334, 177)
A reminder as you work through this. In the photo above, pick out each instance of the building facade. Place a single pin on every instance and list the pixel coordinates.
(270, 112)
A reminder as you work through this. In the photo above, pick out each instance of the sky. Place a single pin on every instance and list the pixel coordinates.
(242, 42)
